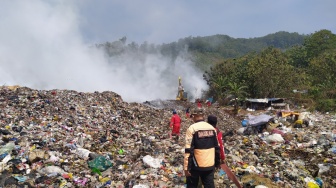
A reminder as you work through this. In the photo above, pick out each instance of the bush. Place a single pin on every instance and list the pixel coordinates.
(326, 105)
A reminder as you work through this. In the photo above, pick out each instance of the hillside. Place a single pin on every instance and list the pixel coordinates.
(206, 50)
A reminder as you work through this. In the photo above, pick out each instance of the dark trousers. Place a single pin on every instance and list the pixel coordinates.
(207, 178)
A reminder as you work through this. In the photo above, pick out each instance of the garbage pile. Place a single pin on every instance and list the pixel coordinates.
(285, 149)
(65, 138)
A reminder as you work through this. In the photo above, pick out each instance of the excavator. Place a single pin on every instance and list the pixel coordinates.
(181, 94)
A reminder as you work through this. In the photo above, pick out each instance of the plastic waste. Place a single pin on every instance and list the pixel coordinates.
(96, 170)
(140, 186)
(121, 152)
(275, 138)
(2, 156)
(51, 169)
(7, 148)
(81, 152)
(152, 162)
(221, 172)
(319, 181)
(333, 150)
(100, 163)
(81, 181)
(241, 130)
(244, 123)
(312, 184)
(21, 178)
(261, 186)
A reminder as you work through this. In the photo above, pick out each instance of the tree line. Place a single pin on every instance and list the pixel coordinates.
(271, 66)
(305, 73)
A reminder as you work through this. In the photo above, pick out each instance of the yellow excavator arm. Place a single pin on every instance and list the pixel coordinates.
(181, 95)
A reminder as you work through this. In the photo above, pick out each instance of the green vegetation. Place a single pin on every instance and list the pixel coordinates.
(274, 72)
(269, 66)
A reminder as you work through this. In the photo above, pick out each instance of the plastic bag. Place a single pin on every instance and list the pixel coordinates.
(140, 186)
(152, 162)
(100, 163)
(260, 186)
(51, 169)
(7, 148)
(82, 153)
(277, 138)
(312, 185)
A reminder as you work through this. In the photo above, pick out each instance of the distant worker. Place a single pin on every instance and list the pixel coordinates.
(199, 104)
(209, 101)
(202, 153)
(188, 112)
(212, 120)
(175, 124)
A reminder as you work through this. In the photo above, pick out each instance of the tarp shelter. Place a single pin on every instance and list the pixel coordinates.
(262, 103)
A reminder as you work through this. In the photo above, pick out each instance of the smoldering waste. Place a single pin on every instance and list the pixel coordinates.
(65, 138)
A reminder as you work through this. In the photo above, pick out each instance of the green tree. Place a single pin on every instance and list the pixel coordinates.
(323, 70)
(237, 92)
(219, 85)
(319, 42)
(271, 75)
(298, 56)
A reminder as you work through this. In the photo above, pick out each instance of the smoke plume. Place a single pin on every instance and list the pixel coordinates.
(42, 47)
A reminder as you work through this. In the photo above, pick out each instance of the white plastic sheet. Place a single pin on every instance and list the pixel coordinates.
(152, 162)
(258, 120)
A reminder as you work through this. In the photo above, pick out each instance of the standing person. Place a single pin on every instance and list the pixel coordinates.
(209, 101)
(175, 124)
(199, 104)
(188, 112)
(202, 153)
(212, 120)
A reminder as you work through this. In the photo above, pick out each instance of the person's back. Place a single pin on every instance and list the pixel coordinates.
(203, 136)
(201, 152)
(175, 120)
(175, 124)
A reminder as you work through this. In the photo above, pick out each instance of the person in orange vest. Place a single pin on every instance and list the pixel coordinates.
(201, 155)
(175, 125)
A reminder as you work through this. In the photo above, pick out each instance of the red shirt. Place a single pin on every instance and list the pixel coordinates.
(221, 145)
(175, 123)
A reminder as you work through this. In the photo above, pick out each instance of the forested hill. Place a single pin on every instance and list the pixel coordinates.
(209, 49)
(229, 47)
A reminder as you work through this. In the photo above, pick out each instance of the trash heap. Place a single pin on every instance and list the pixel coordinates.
(286, 152)
(65, 138)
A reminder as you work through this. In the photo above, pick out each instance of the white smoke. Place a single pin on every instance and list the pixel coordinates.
(42, 47)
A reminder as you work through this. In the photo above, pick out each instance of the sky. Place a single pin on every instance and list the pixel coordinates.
(46, 44)
(158, 21)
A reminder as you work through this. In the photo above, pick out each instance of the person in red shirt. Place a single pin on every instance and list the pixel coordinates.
(199, 104)
(212, 120)
(175, 124)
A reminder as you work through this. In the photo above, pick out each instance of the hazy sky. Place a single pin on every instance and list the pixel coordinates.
(45, 44)
(166, 21)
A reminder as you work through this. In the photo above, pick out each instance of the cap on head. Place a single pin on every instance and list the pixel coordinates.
(197, 111)
(212, 119)
(174, 111)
